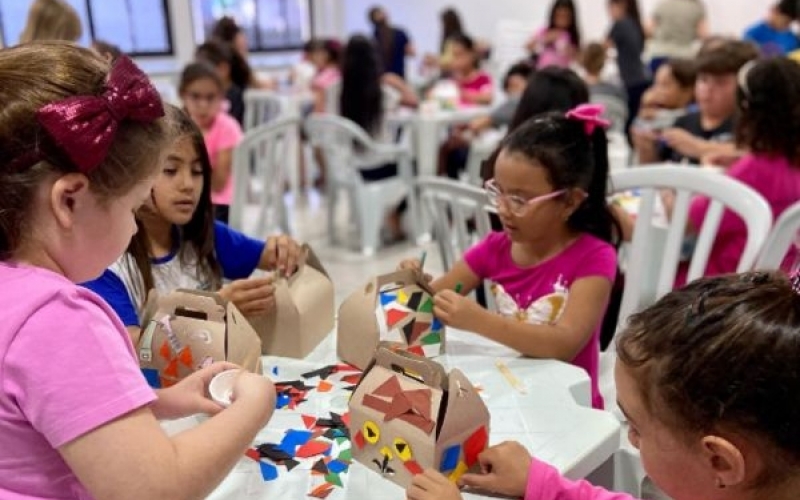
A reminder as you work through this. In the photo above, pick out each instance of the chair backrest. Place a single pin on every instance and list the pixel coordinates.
(480, 150)
(782, 237)
(657, 241)
(455, 208)
(260, 157)
(260, 107)
(616, 110)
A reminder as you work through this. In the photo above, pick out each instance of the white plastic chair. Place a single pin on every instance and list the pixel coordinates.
(616, 110)
(480, 149)
(261, 106)
(347, 149)
(259, 176)
(782, 237)
(654, 257)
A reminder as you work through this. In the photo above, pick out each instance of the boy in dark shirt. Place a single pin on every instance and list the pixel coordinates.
(709, 130)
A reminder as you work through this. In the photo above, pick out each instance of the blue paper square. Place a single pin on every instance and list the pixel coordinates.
(337, 467)
(450, 458)
(151, 375)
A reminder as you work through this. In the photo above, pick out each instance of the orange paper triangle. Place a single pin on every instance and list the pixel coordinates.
(164, 351)
(186, 357)
(172, 369)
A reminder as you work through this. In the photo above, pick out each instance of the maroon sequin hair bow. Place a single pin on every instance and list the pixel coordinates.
(84, 127)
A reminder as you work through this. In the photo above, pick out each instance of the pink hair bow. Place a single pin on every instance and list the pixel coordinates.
(84, 127)
(591, 115)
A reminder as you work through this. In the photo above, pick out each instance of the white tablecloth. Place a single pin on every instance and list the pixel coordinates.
(547, 419)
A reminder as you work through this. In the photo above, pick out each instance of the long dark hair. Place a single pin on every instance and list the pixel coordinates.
(217, 52)
(451, 26)
(196, 237)
(573, 159)
(361, 99)
(574, 31)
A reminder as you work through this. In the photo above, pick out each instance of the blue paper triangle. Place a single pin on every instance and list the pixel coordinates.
(151, 375)
(268, 471)
(436, 325)
(293, 439)
(388, 298)
(282, 401)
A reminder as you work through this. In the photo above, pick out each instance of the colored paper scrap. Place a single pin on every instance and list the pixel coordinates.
(346, 455)
(268, 471)
(253, 454)
(461, 469)
(293, 439)
(450, 458)
(474, 445)
(290, 464)
(413, 467)
(274, 452)
(321, 491)
(333, 479)
(427, 306)
(152, 378)
(313, 448)
(387, 298)
(431, 339)
(324, 386)
(358, 439)
(320, 468)
(323, 373)
(309, 421)
(337, 466)
(352, 379)
(389, 388)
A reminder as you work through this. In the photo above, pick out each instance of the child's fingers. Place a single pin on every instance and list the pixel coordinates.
(427, 480)
(414, 492)
(487, 482)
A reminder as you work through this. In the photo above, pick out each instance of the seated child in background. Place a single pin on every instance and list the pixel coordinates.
(202, 91)
(769, 125)
(180, 245)
(76, 415)
(593, 60)
(706, 427)
(774, 35)
(670, 96)
(514, 84)
(475, 86)
(710, 129)
(224, 59)
(558, 43)
(554, 263)
(325, 55)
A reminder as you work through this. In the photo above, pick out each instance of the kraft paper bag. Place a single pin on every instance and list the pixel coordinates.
(304, 311)
(187, 330)
(407, 414)
(396, 307)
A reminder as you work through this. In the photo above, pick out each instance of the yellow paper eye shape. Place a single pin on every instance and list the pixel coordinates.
(371, 432)
(403, 449)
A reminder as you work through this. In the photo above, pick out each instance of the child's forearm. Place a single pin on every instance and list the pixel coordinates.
(536, 341)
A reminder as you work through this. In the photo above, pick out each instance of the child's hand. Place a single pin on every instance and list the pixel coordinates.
(188, 397)
(414, 265)
(504, 470)
(255, 390)
(432, 485)
(282, 254)
(252, 296)
(455, 310)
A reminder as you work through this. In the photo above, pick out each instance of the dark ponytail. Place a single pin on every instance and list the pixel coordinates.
(573, 160)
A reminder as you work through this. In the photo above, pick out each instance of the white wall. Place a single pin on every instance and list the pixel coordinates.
(420, 17)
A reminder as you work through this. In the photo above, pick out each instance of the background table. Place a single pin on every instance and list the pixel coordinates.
(547, 419)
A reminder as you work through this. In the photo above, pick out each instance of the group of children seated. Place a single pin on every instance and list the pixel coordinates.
(107, 193)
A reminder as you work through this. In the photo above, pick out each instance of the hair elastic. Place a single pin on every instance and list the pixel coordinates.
(591, 115)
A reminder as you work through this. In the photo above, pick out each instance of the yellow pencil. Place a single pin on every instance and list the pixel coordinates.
(510, 377)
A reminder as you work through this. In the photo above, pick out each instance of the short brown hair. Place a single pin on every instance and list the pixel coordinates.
(593, 58)
(726, 58)
(31, 76)
(51, 20)
(723, 354)
(683, 71)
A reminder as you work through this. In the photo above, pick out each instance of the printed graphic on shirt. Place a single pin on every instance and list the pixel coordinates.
(544, 310)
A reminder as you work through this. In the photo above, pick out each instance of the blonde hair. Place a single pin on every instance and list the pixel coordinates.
(71, 71)
(51, 20)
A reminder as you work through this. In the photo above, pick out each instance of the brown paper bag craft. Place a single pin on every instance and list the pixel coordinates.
(187, 330)
(407, 415)
(396, 307)
(304, 311)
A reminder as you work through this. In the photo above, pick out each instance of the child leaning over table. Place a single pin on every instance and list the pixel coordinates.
(78, 150)
(180, 245)
(711, 419)
(554, 262)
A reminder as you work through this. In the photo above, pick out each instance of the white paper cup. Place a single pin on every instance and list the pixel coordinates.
(221, 387)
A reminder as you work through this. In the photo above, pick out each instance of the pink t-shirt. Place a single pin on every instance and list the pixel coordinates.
(225, 133)
(545, 483)
(478, 83)
(325, 78)
(556, 53)
(539, 294)
(776, 180)
(67, 367)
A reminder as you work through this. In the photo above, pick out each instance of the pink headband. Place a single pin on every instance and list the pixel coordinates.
(84, 127)
(590, 115)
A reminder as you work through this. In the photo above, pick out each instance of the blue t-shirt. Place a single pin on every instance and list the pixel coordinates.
(772, 42)
(396, 62)
(122, 285)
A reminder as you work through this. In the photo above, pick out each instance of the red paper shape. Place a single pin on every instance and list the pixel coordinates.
(353, 379)
(309, 421)
(376, 404)
(358, 439)
(413, 467)
(419, 329)
(416, 349)
(474, 445)
(344, 367)
(312, 449)
(186, 357)
(394, 316)
(253, 454)
(164, 351)
(420, 400)
(324, 386)
(389, 388)
(172, 368)
(321, 491)
(346, 419)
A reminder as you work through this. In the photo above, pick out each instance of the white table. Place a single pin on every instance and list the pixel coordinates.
(546, 419)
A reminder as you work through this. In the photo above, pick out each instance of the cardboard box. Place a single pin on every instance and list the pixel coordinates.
(187, 330)
(396, 307)
(304, 311)
(407, 414)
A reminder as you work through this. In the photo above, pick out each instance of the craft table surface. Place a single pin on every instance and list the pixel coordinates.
(547, 419)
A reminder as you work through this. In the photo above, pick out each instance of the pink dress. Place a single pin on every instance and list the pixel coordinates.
(539, 294)
(67, 367)
(225, 133)
(776, 180)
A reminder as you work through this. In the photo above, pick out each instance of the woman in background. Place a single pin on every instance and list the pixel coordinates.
(228, 31)
(559, 43)
(674, 29)
(51, 20)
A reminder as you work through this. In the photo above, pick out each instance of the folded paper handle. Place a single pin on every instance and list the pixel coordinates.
(392, 356)
(301, 263)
